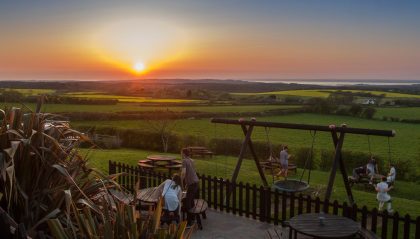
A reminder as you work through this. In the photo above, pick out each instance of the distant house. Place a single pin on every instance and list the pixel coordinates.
(369, 102)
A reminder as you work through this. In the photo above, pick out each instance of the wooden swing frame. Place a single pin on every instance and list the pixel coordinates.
(337, 135)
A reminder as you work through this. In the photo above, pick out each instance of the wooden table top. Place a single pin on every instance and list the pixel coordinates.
(333, 226)
(151, 195)
(161, 157)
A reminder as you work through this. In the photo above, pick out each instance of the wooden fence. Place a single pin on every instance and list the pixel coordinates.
(267, 205)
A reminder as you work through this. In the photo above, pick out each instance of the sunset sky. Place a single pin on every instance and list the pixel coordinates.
(112, 40)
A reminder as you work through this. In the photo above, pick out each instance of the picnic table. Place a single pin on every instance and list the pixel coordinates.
(320, 225)
(199, 150)
(160, 161)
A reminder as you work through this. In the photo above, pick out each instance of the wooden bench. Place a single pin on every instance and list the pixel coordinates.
(145, 161)
(173, 167)
(145, 166)
(201, 151)
(200, 208)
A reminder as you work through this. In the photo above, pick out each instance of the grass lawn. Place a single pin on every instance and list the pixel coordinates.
(135, 99)
(121, 107)
(406, 144)
(405, 197)
(398, 112)
(31, 92)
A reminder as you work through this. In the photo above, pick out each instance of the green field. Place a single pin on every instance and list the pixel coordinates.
(398, 112)
(133, 99)
(31, 92)
(405, 146)
(122, 107)
(326, 93)
(405, 196)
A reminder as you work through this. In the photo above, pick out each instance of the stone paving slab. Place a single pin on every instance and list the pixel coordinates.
(220, 225)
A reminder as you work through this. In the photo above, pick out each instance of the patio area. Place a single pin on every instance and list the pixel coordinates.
(220, 225)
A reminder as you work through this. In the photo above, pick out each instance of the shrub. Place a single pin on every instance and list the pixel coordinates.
(302, 155)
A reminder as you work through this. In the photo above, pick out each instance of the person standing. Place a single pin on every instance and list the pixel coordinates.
(372, 169)
(284, 161)
(383, 196)
(189, 177)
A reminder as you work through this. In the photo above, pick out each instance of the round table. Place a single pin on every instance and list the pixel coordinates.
(332, 226)
(161, 158)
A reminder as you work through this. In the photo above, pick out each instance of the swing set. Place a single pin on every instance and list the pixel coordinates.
(337, 135)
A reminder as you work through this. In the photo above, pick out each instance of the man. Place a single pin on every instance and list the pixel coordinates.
(189, 177)
(284, 161)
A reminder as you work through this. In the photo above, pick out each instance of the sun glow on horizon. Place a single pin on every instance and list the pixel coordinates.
(139, 67)
(122, 43)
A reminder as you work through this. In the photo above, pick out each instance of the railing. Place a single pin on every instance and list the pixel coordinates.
(275, 207)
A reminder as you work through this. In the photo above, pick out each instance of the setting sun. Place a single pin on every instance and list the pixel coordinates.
(139, 67)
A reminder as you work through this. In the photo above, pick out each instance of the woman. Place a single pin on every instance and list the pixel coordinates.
(171, 194)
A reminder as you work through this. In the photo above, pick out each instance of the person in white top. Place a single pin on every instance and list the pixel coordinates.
(172, 194)
(372, 169)
(284, 161)
(392, 174)
(383, 196)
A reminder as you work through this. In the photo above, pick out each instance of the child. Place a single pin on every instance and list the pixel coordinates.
(284, 161)
(383, 196)
(391, 175)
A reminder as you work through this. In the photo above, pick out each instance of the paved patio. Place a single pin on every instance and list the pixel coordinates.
(220, 225)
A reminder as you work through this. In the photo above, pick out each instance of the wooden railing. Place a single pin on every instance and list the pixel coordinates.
(267, 205)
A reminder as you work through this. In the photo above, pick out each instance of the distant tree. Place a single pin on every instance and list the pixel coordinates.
(355, 110)
(189, 94)
(369, 112)
(164, 126)
(273, 97)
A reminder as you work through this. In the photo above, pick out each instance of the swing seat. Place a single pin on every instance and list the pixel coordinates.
(291, 185)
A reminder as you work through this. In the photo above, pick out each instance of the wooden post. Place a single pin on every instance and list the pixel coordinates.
(254, 155)
(343, 171)
(242, 153)
(337, 154)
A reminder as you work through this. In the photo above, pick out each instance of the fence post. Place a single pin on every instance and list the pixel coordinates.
(364, 216)
(395, 225)
(262, 203)
(241, 198)
(335, 207)
(317, 204)
(407, 222)
(215, 197)
(254, 201)
(374, 220)
(229, 190)
(300, 204)
(111, 167)
(268, 204)
(292, 205)
(354, 212)
(418, 228)
(247, 199)
(308, 204)
(276, 207)
(234, 187)
(209, 201)
(203, 186)
(221, 199)
(283, 206)
(384, 231)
